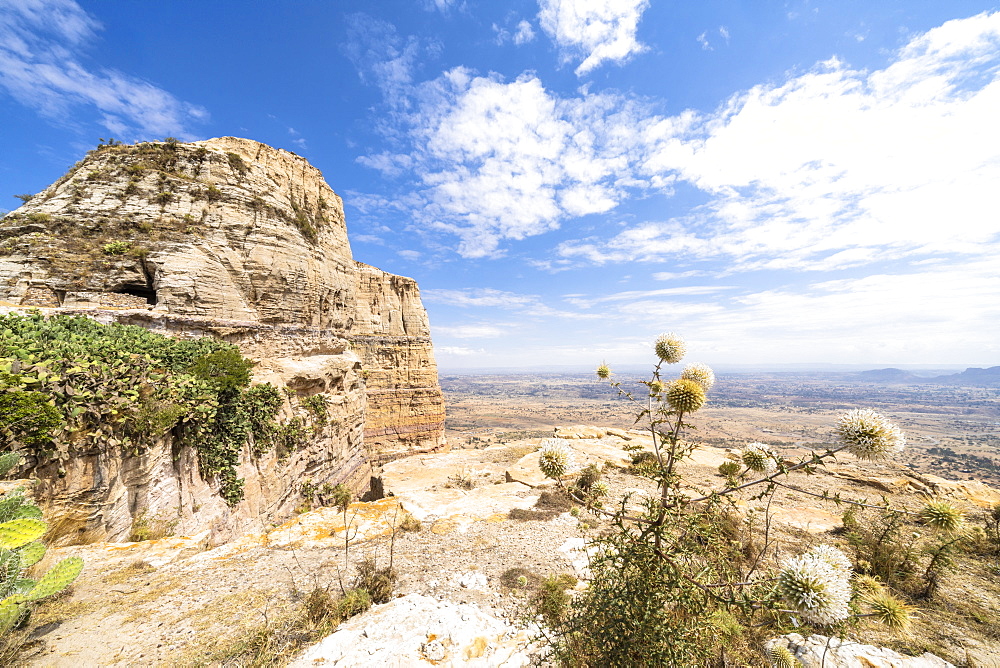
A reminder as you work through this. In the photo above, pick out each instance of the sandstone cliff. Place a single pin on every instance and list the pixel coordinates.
(229, 238)
(392, 336)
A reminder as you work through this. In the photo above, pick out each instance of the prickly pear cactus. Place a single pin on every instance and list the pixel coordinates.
(20, 528)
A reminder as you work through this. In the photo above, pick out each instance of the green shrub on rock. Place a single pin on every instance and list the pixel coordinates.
(70, 383)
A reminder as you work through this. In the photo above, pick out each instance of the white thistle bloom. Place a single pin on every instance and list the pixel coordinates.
(759, 458)
(834, 557)
(869, 435)
(554, 458)
(817, 590)
(670, 348)
(701, 374)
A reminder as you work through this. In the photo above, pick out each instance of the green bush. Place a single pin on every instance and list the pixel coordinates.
(237, 164)
(70, 380)
(28, 418)
(225, 369)
(116, 247)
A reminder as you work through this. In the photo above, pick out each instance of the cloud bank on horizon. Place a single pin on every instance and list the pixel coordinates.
(554, 203)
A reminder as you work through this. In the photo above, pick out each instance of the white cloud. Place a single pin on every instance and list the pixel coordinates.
(368, 239)
(442, 5)
(524, 33)
(458, 351)
(469, 331)
(381, 55)
(411, 255)
(830, 169)
(887, 318)
(703, 40)
(644, 295)
(675, 275)
(596, 30)
(527, 305)
(42, 66)
(506, 160)
(478, 297)
(835, 167)
(934, 314)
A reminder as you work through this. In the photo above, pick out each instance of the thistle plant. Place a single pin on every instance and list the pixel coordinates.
(781, 657)
(942, 515)
(554, 459)
(869, 435)
(759, 458)
(687, 557)
(817, 586)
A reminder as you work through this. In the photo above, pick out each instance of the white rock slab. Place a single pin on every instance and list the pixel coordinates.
(818, 651)
(420, 630)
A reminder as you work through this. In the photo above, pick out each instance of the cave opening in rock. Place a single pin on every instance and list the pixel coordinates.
(140, 291)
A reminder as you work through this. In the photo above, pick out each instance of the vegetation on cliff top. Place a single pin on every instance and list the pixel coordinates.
(70, 384)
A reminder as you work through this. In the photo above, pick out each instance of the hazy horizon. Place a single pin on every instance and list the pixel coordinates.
(632, 369)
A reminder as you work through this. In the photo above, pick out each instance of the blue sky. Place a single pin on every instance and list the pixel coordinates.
(779, 182)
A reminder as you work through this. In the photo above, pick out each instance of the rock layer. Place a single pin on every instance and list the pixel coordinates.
(234, 239)
(392, 336)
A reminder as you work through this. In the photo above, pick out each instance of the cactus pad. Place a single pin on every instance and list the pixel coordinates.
(15, 533)
(32, 553)
(57, 579)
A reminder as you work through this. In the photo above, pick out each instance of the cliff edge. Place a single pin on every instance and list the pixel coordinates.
(234, 239)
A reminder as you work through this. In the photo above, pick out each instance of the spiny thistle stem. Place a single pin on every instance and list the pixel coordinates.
(770, 478)
(847, 501)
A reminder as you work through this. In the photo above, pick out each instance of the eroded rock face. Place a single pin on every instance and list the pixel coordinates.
(225, 228)
(392, 335)
(234, 239)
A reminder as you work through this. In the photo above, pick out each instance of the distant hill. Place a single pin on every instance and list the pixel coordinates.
(890, 376)
(971, 376)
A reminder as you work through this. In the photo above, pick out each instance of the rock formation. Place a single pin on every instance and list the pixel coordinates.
(234, 239)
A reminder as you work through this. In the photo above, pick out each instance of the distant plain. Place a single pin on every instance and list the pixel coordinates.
(953, 431)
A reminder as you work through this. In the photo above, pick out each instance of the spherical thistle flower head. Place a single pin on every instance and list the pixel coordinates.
(942, 515)
(603, 371)
(655, 387)
(834, 557)
(782, 657)
(599, 489)
(670, 348)
(890, 611)
(701, 374)
(869, 435)
(685, 395)
(820, 593)
(554, 458)
(759, 458)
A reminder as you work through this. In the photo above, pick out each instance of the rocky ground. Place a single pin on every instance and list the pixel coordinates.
(181, 601)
